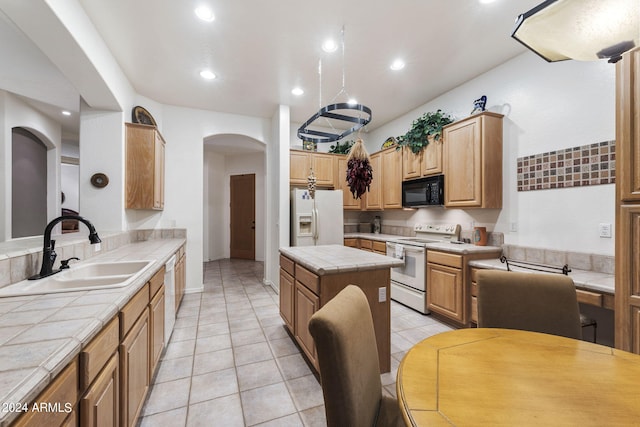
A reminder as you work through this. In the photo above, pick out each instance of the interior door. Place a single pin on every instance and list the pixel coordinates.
(243, 216)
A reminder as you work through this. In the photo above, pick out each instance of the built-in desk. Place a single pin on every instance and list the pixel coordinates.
(312, 275)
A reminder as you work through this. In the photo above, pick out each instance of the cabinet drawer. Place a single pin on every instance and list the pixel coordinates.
(591, 298)
(287, 265)
(379, 246)
(133, 309)
(366, 244)
(62, 392)
(444, 258)
(474, 289)
(95, 355)
(352, 243)
(308, 279)
(156, 282)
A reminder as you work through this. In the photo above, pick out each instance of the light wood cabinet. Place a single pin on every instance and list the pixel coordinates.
(372, 246)
(306, 303)
(352, 243)
(472, 162)
(180, 274)
(62, 393)
(348, 201)
(627, 277)
(287, 292)
(426, 163)
(323, 165)
(100, 406)
(134, 356)
(445, 292)
(391, 167)
(156, 335)
(309, 292)
(373, 199)
(145, 150)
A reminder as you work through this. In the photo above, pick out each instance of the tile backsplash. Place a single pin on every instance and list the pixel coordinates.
(18, 264)
(592, 164)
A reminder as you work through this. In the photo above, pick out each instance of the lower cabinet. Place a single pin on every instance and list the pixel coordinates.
(302, 293)
(134, 379)
(306, 303)
(62, 394)
(180, 276)
(156, 335)
(287, 292)
(99, 407)
(445, 293)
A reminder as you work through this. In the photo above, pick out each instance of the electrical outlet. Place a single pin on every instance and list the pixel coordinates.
(382, 294)
(513, 227)
(605, 229)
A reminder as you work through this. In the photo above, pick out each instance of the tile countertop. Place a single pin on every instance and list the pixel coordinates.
(333, 259)
(590, 280)
(41, 334)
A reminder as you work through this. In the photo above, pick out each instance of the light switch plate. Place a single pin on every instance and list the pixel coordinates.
(605, 229)
(382, 294)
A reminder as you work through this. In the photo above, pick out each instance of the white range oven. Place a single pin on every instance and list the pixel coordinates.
(409, 282)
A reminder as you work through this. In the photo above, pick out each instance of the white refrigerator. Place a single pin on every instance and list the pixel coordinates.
(319, 221)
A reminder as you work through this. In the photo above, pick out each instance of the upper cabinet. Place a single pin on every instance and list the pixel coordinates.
(427, 162)
(373, 198)
(323, 165)
(391, 178)
(348, 201)
(472, 162)
(145, 150)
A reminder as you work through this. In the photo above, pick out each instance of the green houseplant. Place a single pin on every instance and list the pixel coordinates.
(426, 127)
(341, 148)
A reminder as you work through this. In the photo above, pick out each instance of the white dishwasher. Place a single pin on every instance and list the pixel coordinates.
(169, 298)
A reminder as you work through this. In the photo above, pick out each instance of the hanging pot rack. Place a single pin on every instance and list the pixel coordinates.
(331, 111)
(317, 136)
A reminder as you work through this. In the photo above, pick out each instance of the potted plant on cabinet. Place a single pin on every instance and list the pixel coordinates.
(424, 129)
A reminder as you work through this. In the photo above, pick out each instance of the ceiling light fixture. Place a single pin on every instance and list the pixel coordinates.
(297, 91)
(207, 74)
(397, 65)
(205, 13)
(586, 30)
(66, 113)
(486, 1)
(330, 46)
(349, 112)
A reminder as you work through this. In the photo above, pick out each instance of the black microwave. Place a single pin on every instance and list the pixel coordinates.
(427, 191)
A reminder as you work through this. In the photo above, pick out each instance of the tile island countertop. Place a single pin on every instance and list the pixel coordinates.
(332, 259)
(41, 334)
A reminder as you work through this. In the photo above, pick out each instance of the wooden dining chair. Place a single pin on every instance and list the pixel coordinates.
(349, 367)
(528, 301)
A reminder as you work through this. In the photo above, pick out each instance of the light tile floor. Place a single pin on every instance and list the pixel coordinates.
(230, 361)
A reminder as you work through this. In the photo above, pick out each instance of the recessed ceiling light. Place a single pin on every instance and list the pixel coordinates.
(352, 101)
(207, 74)
(66, 113)
(297, 91)
(398, 64)
(329, 46)
(205, 13)
(486, 1)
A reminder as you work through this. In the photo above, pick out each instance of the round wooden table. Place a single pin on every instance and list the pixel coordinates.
(500, 377)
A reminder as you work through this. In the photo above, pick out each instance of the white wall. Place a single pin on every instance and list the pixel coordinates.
(546, 107)
(15, 113)
(214, 225)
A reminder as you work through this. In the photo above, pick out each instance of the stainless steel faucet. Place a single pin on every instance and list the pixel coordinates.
(48, 251)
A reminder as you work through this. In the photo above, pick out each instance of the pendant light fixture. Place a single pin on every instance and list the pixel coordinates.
(585, 30)
(353, 114)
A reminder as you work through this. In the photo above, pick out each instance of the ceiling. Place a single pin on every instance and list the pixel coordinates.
(261, 49)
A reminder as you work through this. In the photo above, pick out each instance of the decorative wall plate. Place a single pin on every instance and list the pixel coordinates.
(390, 142)
(142, 116)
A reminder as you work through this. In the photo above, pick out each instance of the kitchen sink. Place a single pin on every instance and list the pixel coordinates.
(98, 275)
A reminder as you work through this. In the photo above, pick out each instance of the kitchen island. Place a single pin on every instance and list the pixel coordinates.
(312, 275)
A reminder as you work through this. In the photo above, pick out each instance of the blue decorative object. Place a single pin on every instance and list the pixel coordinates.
(479, 104)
